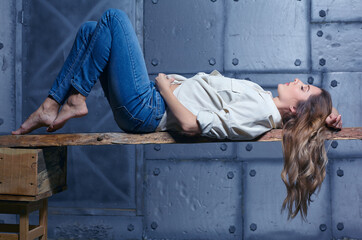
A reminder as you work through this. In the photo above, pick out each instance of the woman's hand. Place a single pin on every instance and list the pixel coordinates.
(163, 83)
(334, 121)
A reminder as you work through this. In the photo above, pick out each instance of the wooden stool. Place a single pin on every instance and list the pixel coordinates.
(28, 177)
(24, 231)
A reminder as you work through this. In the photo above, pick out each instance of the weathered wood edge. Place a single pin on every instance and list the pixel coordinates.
(148, 138)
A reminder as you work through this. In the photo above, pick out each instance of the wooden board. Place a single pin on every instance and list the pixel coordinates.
(149, 138)
(32, 172)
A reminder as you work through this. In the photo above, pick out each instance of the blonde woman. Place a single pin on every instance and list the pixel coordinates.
(206, 104)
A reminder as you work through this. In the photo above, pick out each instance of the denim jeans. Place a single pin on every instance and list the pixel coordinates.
(109, 50)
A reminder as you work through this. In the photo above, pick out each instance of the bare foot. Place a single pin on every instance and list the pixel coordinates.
(42, 117)
(75, 107)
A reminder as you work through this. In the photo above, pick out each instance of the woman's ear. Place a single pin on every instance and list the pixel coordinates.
(293, 109)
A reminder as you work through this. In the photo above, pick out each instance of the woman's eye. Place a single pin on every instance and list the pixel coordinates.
(301, 88)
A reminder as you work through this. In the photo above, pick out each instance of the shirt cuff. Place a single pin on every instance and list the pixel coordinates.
(205, 119)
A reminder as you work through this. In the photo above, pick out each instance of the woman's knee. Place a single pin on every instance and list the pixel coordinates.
(87, 29)
(114, 12)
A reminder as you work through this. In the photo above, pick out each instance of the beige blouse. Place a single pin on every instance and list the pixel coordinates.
(225, 107)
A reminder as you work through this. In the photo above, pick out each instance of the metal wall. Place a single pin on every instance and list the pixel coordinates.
(198, 191)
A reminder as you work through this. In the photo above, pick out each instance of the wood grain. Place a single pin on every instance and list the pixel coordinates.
(149, 138)
(32, 172)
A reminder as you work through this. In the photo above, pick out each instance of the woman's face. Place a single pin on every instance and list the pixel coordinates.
(292, 93)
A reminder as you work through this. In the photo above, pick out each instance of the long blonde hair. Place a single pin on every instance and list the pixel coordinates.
(305, 158)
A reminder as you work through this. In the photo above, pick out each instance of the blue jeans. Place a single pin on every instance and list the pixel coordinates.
(109, 50)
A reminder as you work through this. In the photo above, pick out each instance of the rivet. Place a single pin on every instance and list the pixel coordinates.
(340, 173)
(1, 45)
(322, 13)
(154, 61)
(100, 138)
(232, 229)
(249, 147)
(253, 227)
(252, 173)
(310, 80)
(230, 175)
(334, 144)
(1, 121)
(212, 61)
(334, 83)
(236, 0)
(130, 227)
(323, 227)
(322, 62)
(156, 171)
(247, 79)
(154, 1)
(223, 147)
(157, 147)
(154, 225)
(213, 0)
(340, 226)
(235, 61)
(320, 33)
(297, 62)
(1, 182)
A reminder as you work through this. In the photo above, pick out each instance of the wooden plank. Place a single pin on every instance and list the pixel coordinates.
(148, 138)
(32, 172)
(36, 232)
(52, 169)
(43, 219)
(18, 174)
(9, 236)
(7, 197)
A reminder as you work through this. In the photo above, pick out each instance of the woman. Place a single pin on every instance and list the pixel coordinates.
(207, 104)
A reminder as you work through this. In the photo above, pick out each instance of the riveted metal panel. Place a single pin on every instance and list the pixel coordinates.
(268, 36)
(336, 47)
(190, 151)
(193, 200)
(344, 148)
(336, 10)
(99, 177)
(264, 193)
(346, 92)
(259, 150)
(346, 192)
(94, 227)
(183, 36)
(8, 48)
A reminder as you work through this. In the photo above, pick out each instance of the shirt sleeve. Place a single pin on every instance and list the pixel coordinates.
(223, 124)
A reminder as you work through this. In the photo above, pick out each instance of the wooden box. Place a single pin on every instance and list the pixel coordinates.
(32, 174)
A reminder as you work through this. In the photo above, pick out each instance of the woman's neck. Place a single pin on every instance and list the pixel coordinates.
(281, 107)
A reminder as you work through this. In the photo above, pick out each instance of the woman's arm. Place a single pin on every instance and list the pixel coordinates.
(185, 117)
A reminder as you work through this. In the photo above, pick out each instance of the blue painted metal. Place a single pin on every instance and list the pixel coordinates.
(336, 10)
(346, 95)
(267, 37)
(183, 36)
(339, 47)
(346, 197)
(196, 191)
(198, 199)
(8, 48)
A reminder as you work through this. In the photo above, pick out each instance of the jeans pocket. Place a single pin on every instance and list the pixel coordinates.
(125, 120)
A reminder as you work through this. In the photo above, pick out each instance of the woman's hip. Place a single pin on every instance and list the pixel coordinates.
(142, 113)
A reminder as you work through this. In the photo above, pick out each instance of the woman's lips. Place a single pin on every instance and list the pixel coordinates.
(287, 84)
